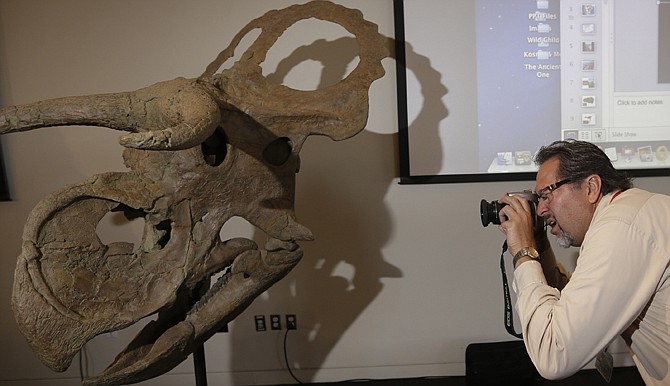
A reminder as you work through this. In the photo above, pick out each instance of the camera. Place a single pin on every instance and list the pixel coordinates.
(489, 211)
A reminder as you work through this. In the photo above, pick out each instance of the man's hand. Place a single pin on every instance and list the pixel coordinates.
(517, 223)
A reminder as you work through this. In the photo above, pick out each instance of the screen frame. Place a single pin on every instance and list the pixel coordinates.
(403, 124)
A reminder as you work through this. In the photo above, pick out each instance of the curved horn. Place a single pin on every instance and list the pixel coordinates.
(174, 115)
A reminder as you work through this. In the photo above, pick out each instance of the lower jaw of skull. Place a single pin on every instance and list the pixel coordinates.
(182, 327)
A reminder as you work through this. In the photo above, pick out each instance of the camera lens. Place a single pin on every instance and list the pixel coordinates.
(489, 212)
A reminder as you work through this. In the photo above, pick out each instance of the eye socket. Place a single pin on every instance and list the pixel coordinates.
(214, 149)
(278, 151)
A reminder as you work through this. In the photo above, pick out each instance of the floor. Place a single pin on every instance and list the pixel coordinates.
(621, 376)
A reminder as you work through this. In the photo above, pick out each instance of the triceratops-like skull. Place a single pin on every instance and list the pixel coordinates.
(200, 151)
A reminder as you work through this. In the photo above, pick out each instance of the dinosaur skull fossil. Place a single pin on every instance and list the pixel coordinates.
(200, 151)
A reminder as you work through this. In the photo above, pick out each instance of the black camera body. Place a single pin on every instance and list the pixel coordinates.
(489, 211)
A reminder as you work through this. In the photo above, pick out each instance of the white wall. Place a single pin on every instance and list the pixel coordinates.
(400, 278)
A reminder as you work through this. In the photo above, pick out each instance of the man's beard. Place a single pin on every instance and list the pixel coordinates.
(564, 240)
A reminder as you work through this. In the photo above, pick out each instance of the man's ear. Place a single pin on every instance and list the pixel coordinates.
(593, 188)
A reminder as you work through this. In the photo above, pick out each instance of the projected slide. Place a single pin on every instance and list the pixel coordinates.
(519, 74)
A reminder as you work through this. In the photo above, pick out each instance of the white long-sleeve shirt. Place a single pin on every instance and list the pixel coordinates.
(620, 286)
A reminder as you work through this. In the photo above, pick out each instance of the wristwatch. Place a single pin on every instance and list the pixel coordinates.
(523, 252)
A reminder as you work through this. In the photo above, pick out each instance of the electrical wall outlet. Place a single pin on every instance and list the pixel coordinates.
(260, 323)
(291, 322)
(275, 322)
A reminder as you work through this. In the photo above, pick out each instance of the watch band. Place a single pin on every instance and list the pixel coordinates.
(523, 252)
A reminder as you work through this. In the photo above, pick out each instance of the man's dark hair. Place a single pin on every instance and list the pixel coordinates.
(580, 159)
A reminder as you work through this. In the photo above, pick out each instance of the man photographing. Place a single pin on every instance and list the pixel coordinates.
(621, 284)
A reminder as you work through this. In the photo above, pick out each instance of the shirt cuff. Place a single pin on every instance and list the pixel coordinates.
(527, 274)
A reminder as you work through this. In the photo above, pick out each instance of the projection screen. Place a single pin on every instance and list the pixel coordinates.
(483, 84)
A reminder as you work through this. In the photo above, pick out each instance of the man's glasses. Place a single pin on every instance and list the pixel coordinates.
(544, 193)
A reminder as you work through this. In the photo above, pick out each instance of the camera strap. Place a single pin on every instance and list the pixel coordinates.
(509, 313)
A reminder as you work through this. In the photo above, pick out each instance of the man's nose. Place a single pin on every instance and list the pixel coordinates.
(542, 208)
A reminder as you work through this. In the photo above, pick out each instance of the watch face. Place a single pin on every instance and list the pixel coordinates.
(532, 253)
